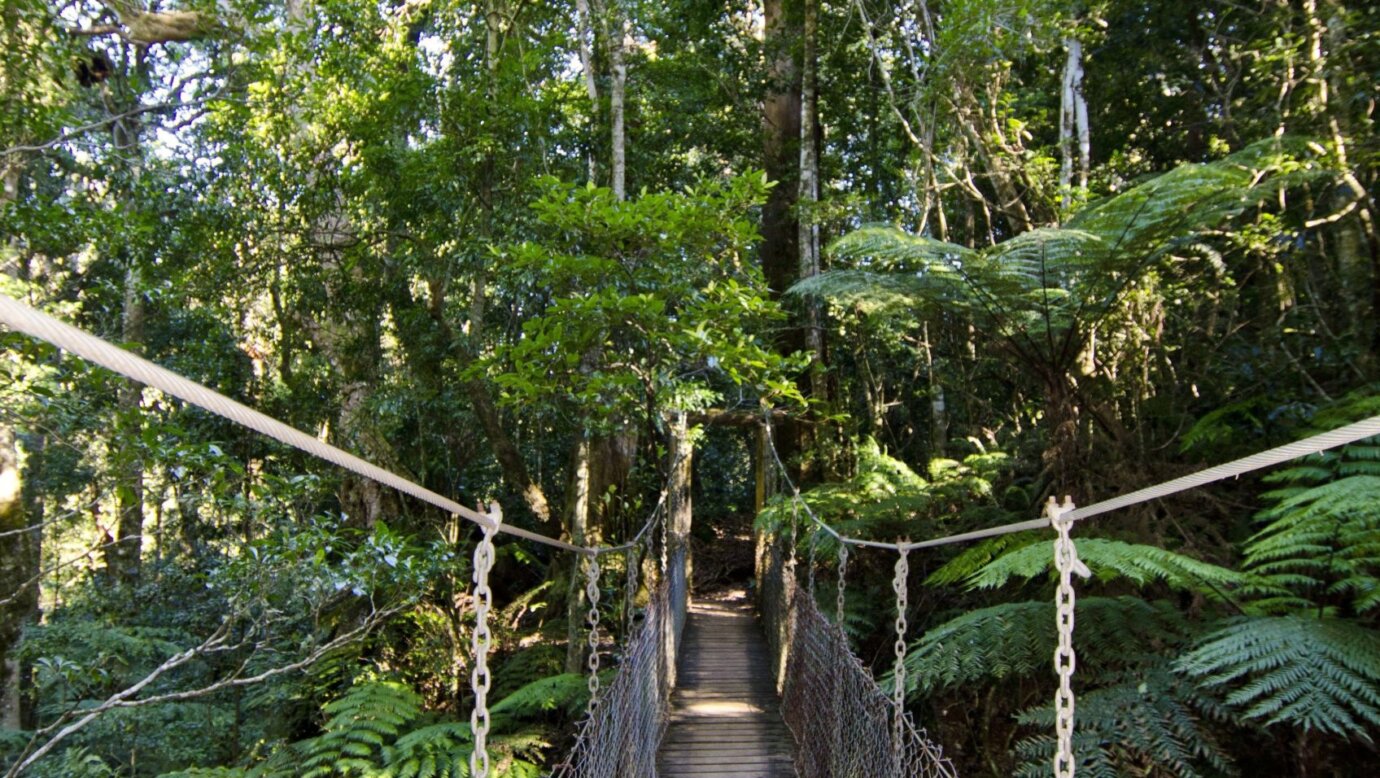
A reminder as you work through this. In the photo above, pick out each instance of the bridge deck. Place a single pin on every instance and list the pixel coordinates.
(725, 715)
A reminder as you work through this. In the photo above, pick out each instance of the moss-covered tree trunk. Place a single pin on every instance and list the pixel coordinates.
(19, 546)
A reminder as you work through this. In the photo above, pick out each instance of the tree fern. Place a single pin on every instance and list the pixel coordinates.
(1321, 542)
(379, 729)
(1111, 559)
(1297, 659)
(565, 693)
(1018, 639)
(440, 750)
(886, 498)
(1146, 722)
(977, 556)
(1043, 289)
(361, 722)
(1321, 674)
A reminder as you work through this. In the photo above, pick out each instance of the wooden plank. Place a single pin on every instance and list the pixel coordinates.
(725, 715)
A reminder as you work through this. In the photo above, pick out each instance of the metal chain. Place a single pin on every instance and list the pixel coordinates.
(480, 643)
(838, 597)
(899, 585)
(1066, 561)
(592, 592)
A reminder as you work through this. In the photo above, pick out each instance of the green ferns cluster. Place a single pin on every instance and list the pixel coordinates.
(885, 499)
(1288, 640)
(380, 729)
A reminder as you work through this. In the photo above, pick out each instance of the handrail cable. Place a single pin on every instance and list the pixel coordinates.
(23, 318)
(1315, 444)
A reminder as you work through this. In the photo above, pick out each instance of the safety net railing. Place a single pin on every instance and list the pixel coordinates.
(623, 725)
(619, 736)
(802, 639)
(845, 724)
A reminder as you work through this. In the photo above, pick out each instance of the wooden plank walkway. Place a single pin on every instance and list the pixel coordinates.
(725, 715)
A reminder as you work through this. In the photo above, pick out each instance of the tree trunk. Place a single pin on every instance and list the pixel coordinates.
(808, 196)
(586, 32)
(1066, 130)
(19, 549)
(781, 131)
(939, 413)
(513, 466)
(678, 517)
(780, 247)
(1080, 110)
(578, 526)
(1073, 124)
(122, 558)
(618, 43)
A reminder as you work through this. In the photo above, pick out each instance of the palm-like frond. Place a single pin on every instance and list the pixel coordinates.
(1017, 639)
(1109, 560)
(1043, 285)
(1147, 718)
(1321, 540)
(1315, 673)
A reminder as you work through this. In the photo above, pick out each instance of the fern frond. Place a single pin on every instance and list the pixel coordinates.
(1109, 560)
(566, 692)
(974, 558)
(872, 293)
(1017, 639)
(1322, 539)
(1319, 674)
(1146, 719)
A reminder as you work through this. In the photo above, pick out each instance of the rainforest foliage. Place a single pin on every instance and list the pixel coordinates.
(971, 254)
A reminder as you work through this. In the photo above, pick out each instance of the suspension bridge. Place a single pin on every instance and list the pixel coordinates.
(720, 688)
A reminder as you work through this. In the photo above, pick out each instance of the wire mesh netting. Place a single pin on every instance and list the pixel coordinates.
(619, 739)
(844, 723)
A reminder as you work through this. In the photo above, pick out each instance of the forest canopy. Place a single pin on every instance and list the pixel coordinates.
(966, 255)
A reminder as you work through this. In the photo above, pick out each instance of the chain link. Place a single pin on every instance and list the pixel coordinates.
(900, 585)
(838, 596)
(1066, 561)
(480, 643)
(592, 619)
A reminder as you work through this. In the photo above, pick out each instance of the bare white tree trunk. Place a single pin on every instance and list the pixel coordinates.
(586, 33)
(809, 194)
(618, 47)
(1080, 108)
(1073, 123)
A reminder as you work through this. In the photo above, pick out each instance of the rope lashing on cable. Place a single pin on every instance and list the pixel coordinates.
(480, 643)
(900, 585)
(591, 565)
(1066, 561)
